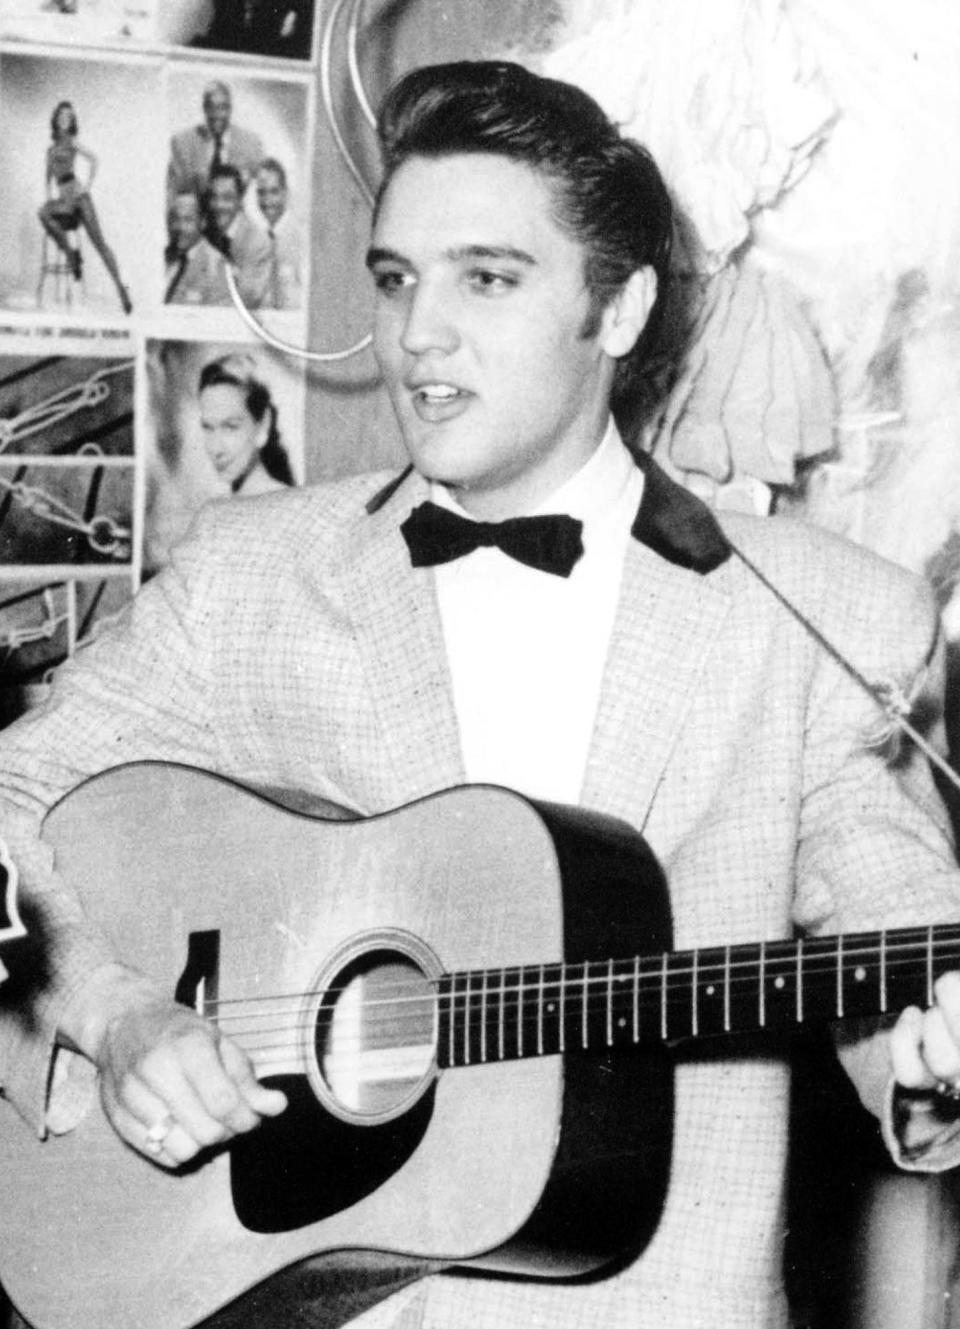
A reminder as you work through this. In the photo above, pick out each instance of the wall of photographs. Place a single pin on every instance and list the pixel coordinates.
(141, 142)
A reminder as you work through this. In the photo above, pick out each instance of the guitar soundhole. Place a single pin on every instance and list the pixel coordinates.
(375, 1031)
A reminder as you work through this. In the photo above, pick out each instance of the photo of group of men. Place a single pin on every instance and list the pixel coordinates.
(213, 166)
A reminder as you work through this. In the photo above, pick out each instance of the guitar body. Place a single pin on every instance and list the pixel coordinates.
(551, 1165)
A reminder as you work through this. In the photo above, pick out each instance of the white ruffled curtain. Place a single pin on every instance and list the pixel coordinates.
(811, 145)
(734, 109)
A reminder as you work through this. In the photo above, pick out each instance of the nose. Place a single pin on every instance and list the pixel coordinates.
(430, 323)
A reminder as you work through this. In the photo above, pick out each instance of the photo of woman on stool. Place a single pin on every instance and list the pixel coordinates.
(70, 206)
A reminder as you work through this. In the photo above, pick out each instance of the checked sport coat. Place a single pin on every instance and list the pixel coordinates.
(290, 644)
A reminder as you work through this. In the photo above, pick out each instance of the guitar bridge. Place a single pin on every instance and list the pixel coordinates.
(198, 985)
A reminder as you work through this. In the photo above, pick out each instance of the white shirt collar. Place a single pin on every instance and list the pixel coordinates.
(591, 492)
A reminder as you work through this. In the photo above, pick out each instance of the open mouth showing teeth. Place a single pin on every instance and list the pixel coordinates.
(438, 392)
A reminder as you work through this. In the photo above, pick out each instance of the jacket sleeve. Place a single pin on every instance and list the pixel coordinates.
(143, 690)
(875, 846)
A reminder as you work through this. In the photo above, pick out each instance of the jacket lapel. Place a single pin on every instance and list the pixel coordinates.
(671, 609)
(399, 634)
(667, 621)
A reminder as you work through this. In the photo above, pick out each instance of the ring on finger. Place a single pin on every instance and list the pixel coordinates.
(158, 1132)
(949, 1089)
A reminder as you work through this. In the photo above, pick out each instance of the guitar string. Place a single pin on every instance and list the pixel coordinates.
(818, 954)
(596, 1007)
(676, 984)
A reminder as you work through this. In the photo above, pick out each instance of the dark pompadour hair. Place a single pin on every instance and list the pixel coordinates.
(608, 192)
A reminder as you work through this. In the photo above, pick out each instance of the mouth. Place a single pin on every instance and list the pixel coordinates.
(438, 401)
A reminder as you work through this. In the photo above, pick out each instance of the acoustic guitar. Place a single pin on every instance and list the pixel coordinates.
(469, 1002)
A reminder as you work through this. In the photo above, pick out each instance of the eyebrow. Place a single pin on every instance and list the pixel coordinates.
(376, 255)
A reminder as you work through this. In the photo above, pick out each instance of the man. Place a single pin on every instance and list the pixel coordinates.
(285, 290)
(194, 269)
(651, 668)
(231, 231)
(196, 152)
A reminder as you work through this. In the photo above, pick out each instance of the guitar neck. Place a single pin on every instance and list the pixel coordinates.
(534, 1010)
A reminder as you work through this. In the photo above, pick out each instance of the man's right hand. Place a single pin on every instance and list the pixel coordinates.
(170, 1083)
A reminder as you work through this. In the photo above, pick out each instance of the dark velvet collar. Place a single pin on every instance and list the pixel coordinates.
(670, 521)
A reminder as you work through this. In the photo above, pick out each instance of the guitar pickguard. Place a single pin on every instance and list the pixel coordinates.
(307, 1164)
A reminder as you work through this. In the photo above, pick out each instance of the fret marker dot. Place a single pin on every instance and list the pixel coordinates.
(621, 1023)
(551, 1007)
(711, 990)
(859, 973)
(778, 981)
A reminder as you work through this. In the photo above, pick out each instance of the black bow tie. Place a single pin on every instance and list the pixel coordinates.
(551, 543)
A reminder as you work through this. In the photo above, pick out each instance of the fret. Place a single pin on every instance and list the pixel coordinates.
(501, 1033)
(561, 1009)
(444, 1022)
(523, 990)
(512, 984)
(839, 951)
(779, 985)
(664, 967)
(712, 976)
(472, 1033)
(483, 1017)
(540, 1000)
(622, 1011)
(585, 1007)
(636, 999)
(930, 994)
(863, 977)
(799, 991)
(453, 1023)
(763, 984)
(883, 973)
(553, 1010)
(609, 1003)
(458, 1044)
(694, 994)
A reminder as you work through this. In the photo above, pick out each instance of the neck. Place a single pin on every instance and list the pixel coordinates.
(528, 493)
(237, 483)
(527, 1011)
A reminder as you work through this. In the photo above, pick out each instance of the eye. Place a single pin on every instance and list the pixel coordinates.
(389, 281)
(487, 282)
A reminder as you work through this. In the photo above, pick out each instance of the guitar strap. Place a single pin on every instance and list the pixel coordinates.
(889, 694)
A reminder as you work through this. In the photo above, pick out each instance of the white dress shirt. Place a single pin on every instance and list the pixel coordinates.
(527, 648)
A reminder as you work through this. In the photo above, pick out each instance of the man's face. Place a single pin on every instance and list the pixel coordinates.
(216, 109)
(224, 201)
(271, 195)
(184, 223)
(480, 309)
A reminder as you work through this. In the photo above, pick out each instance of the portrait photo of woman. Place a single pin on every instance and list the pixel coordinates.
(224, 420)
(240, 426)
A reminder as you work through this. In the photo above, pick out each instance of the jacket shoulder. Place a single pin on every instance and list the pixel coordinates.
(302, 521)
(848, 591)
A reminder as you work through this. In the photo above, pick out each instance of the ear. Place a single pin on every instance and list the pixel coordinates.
(626, 315)
(262, 432)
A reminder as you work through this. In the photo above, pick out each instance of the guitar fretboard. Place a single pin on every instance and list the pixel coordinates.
(535, 1010)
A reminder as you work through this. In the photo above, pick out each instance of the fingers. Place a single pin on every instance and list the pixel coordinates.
(262, 1101)
(925, 1045)
(171, 1086)
(906, 1039)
